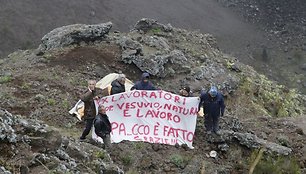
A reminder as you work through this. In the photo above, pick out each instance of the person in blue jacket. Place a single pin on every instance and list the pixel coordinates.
(213, 105)
(144, 83)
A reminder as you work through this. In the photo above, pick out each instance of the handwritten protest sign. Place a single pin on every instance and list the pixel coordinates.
(152, 116)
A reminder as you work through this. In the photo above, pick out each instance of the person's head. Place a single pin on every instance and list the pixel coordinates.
(121, 79)
(102, 109)
(213, 91)
(145, 77)
(185, 91)
(91, 84)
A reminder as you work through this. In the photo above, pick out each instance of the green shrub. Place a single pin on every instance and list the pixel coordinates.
(274, 99)
(51, 102)
(25, 86)
(126, 159)
(155, 30)
(138, 145)
(5, 79)
(100, 154)
(179, 160)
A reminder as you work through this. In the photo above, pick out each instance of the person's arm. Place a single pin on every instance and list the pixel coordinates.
(201, 101)
(86, 96)
(152, 87)
(222, 105)
(98, 93)
(108, 125)
(98, 128)
(135, 86)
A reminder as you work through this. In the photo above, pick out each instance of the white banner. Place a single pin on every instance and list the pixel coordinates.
(151, 116)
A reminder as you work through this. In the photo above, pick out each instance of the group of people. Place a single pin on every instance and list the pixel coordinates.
(212, 102)
(100, 120)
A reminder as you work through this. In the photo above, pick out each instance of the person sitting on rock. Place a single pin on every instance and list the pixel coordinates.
(213, 105)
(186, 92)
(118, 85)
(90, 95)
(103, 127)
(144, 83)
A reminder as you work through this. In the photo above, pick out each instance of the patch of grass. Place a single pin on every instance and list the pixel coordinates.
(277, 100)
(51, 102)
(65, 104)
(25, 86)
(83, 83)
(127, 159)
(5, 79)
(101, 154)
(275, 164)
(132, 171)
(77, 81)
(179, 160)
(139, 145)
(155, 30)
(47, 56)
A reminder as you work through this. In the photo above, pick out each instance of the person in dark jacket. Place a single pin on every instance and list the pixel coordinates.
(186, 92)
(89, 97)
(144, 83)
(118, 85)
(213, 105)
(103, 127)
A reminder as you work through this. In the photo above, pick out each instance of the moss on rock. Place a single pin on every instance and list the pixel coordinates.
(277, 100)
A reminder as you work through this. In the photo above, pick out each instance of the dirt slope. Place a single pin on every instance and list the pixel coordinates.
(241, 29)
(25, 22)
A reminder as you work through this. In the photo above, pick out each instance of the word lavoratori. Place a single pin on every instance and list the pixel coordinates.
(148, 94)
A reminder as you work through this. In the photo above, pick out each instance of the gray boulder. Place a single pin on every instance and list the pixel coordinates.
(146, 24)
(253, 142)
(130, 49)
(73, 34)
(40, 136)
(159, 43)
(4, 171)
(155, 64)
(7, 133)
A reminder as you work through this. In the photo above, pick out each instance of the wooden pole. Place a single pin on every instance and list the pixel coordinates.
(256, 160)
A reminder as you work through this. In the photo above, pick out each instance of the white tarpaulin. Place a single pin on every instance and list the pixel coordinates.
(152, 116)
(104, 83)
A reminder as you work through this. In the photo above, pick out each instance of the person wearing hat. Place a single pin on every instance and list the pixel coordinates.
(185, 92)
(213, 105)
(118, 85)
(144, 83)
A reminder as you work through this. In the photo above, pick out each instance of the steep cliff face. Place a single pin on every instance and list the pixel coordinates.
(43, 84)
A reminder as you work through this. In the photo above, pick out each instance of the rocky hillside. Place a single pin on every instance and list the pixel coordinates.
(39, 86)
(269, 35)
(282, 55)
